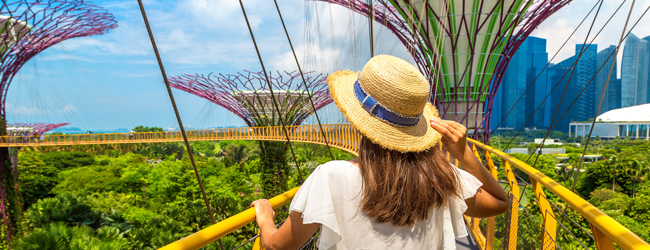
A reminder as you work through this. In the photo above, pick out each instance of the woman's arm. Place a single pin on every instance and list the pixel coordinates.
(291, 235)
(490, 199)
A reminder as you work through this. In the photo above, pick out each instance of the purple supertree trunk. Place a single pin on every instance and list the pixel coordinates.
(463, 47)
(246, 94)
(28, 27)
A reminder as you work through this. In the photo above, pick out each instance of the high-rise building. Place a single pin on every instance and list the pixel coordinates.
(525, 68)
(606, 59)
(575, 83)
(560, 99)
(585, 73)
(634, 72)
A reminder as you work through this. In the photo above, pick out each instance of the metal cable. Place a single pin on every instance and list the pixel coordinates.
(311, 100)
(268, 81)
(178, 117)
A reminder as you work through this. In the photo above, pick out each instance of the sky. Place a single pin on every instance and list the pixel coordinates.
(113, 81)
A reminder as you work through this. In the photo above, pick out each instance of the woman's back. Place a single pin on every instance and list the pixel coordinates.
(331, 197)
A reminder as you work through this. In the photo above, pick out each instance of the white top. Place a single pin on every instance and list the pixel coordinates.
(638, 113)
(331, 196)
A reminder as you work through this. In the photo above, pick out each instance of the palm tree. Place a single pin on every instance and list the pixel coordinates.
(614, 161)
(237, 154)
(639, 171)
(56, 236)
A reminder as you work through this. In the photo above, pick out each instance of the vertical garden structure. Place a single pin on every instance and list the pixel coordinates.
(463, 47)
(247, 95)
(27, 27)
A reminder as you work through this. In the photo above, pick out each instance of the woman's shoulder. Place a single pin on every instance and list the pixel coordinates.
(336, 170)
(337, 167)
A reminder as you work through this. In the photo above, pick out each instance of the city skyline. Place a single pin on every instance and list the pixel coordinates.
(577, 85)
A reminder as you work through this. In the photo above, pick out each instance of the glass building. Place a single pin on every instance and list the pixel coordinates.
(611, 99)
(525, 68)
(574, 83)
(634, 71)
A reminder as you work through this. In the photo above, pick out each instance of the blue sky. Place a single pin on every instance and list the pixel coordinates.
(112, 81)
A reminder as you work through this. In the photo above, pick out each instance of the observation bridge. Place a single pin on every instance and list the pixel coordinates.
(603, 231)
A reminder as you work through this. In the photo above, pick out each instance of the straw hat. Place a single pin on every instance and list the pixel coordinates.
(388, 103)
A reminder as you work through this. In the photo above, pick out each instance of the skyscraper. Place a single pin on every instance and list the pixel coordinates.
(525, 66)
(585, 71)
(611, 99)
(634, 72)
(575, 80)
(559, 74)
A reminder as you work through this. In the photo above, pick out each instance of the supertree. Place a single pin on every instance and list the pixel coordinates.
(27, 27)
(25, 132)
(247, 95)
(463, 47)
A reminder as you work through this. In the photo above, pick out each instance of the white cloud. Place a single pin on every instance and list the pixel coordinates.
(22, 110)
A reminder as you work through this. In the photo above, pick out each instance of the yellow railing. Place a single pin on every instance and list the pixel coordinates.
(342, 136)
(604, 229)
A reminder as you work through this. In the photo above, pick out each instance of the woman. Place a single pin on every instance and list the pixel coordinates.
(401, 192)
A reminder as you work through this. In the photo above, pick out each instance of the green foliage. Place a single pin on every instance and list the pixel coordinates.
(203, 148)
(63, 160)
(86, 180)
(36, 178)
(141, 129)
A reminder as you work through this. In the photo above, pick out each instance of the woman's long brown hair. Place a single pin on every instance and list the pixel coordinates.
(401, 188)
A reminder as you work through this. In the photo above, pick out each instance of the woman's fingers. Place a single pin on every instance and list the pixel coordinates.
(441, 126)
(448, 130)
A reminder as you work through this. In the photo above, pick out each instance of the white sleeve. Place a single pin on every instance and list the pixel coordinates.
(314, 200)
(468, 187)
(468, 184)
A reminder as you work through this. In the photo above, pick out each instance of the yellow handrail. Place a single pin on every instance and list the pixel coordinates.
(212, 233)
(604, 224)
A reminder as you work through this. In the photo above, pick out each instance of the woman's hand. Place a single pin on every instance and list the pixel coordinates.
(263, 211)
(454, 136)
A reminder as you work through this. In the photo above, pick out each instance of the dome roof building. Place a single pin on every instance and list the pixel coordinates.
(633, 122)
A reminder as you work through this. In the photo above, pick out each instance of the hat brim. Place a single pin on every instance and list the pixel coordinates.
(404, 139)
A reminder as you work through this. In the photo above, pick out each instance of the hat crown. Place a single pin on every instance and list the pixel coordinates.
(395, 84)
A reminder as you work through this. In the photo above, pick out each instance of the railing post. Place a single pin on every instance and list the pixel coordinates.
(491, 221)
(602, 241)
(550, 223)
(511, 237)
(258, 244)
(475, 222)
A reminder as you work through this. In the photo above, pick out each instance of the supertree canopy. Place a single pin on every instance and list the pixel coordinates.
(462, 46)
(249, 97)
(17, 129)
(27, 27)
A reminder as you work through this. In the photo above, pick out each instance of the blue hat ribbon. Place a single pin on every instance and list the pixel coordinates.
(376, 109)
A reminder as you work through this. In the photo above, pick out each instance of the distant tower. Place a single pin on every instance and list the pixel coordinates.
(612, 97)
(463, 47)
(28, 27)
(247, 95)
(634, 72)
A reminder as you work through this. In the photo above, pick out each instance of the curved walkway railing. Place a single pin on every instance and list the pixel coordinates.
(341, 136)
(603, 231)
